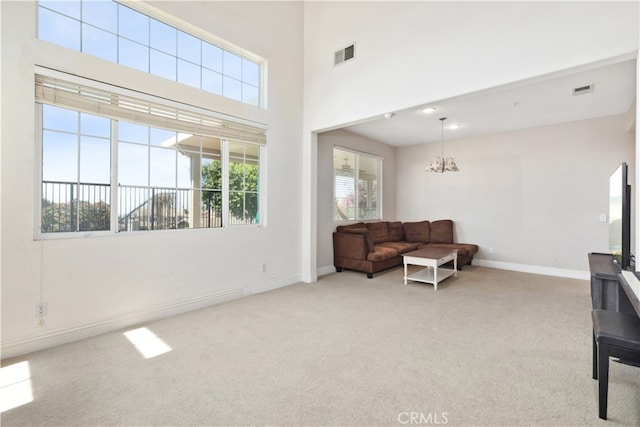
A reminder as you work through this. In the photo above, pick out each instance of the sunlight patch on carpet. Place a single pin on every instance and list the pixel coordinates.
(15, 386)
(147, 343)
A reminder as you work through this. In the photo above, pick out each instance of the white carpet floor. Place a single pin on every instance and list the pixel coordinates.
(488, 348)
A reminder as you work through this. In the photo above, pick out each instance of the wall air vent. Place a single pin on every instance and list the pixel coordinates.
(345, 54)
(582, 90)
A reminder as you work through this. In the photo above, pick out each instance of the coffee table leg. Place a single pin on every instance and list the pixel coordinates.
(405, 274)
(455, 265)
(435, 278)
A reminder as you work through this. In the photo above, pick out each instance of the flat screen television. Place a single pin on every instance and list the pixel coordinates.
(620, 217)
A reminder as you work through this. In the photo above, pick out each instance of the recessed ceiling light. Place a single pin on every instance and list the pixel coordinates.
(454, 126)
(429, 110)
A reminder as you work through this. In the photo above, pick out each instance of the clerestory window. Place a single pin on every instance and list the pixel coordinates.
(120, 34)
(357, 180)
(115, 163)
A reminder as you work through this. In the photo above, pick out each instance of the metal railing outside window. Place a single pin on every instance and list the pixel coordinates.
(70, 207)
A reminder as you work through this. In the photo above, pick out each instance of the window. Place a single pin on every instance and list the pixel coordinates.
(76, 171)
(114, 163)
(117, 33)
(356, 189)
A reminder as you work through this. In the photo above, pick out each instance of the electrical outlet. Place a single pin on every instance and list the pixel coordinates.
(490, 249)
(41, 309)
(264, 268)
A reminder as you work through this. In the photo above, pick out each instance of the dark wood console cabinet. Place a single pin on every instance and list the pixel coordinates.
(607, 292)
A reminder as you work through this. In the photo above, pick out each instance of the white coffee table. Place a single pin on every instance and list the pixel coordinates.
(431, 259)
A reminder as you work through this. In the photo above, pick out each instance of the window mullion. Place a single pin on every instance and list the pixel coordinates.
(115, 200)
(244, 184)
(262, 206)
(379, 194)
(224, 146)
(356, 188)
(151, 200)
(176, 207)
(77, 193)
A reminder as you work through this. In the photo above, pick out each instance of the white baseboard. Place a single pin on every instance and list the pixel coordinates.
(309, 278)
(534, 269)
(328, 269)
(17, 347)
(525, 268)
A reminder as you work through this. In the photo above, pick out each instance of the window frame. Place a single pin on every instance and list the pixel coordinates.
(113, 183)
(379, 184)
(179, 26)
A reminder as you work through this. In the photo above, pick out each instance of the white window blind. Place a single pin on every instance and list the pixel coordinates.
(102, 102)
(356, 178)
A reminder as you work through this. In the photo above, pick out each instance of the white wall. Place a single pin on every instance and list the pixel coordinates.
(97, 284)
(326, 223)
(534, 195)
(413, 53)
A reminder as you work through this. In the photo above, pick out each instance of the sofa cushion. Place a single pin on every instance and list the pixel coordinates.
(357, 225)
(442, 231)
(468, 248)
(401, 247)
(379, 231)
(417, 231)
(365, 232)
(395, 231)
(381, 253)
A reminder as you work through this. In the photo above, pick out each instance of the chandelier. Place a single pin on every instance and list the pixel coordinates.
(442, 164)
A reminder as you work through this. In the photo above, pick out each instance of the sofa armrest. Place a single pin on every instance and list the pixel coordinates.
(351, 245)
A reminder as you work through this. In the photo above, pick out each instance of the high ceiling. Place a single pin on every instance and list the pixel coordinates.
(536, 102)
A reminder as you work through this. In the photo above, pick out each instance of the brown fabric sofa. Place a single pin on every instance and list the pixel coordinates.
(375, 246)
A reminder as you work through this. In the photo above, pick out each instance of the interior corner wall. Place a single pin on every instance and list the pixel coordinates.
(96, 284)
(531, 199)
(326, 221)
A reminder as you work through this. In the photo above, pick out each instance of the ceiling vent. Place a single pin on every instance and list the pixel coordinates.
(344, 55)
(582, 90)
